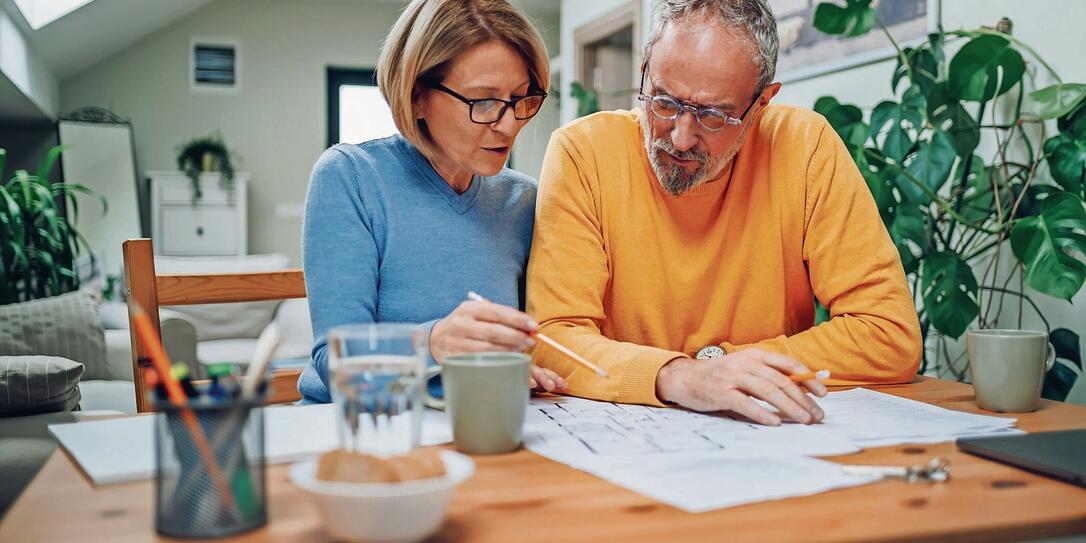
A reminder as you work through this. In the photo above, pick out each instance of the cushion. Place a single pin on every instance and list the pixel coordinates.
(240, 351)
(119, 396)
(38, 384)
(67, 326)
(225, 321)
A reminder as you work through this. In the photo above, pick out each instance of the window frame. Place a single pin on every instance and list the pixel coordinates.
(337, 77)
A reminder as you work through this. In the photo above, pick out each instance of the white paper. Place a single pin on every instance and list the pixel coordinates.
(699, 461)
(874, 419)
(708, 481)
(122, 449)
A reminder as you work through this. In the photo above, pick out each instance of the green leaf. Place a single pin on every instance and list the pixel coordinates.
(854, 19)
(588, 100)
(930, 165)
(947, 114)
(1057, 100)
(909, 225)
(949, 292)
(1058, 382)
(821, 313)
(911, 110)
(824, 104)
(977, 206)
(1067, 161)
(848, 121)
(47, 162)
(1074, 123)
(3, 159)
(1045, 244)
(984, 68)
(1067, 346)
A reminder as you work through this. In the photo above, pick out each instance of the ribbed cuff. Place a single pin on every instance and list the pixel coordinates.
(434, 384)
(638, 381)
(428, 328)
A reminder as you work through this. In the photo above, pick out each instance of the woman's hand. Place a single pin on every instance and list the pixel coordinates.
(480, 326)
(475, 327)
(544, 380)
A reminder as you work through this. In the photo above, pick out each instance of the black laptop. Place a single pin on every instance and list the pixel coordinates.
(1056, 454)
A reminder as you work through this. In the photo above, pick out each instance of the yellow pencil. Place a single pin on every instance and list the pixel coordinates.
(558, 346)
(820, 375)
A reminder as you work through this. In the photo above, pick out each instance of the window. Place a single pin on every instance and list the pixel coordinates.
(39, 13)
(356, 110)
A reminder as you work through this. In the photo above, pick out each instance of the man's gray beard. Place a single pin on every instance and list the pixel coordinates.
(675, 179)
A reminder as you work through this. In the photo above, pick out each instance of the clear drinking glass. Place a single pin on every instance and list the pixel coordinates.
(377, 379)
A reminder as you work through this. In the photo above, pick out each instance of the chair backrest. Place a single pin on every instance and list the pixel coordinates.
(149, 290)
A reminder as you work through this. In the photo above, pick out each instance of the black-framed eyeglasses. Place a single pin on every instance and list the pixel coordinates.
(491, 110)
(670, 108)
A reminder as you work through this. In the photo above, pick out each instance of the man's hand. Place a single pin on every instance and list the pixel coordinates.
(729, 383)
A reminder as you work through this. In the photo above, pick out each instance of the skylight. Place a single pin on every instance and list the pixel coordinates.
(42, 12)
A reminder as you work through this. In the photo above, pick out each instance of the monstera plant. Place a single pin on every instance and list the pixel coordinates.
(954, 210)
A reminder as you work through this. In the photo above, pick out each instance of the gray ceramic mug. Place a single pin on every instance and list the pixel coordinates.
(486, 398)
(1008, 368)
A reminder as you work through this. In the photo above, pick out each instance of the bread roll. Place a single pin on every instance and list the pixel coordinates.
(351, 467)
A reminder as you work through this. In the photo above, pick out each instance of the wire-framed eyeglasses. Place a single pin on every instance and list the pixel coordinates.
(669, 108)
(491, 110)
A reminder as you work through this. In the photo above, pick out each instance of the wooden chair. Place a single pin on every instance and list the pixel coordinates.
(149, 290)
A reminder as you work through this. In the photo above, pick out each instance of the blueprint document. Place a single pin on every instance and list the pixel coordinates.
(701, 461)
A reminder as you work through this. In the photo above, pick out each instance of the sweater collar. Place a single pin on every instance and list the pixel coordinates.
(461, 203)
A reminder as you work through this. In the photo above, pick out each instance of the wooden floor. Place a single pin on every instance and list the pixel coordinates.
(524, 497)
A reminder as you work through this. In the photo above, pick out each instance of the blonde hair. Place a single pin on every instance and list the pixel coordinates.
(430, 33)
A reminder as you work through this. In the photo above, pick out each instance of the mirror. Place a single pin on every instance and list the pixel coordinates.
(99, 153)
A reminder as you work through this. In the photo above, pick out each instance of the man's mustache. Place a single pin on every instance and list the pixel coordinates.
(690, 154)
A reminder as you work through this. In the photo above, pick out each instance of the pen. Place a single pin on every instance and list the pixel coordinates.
(820, 375)
(558, 346)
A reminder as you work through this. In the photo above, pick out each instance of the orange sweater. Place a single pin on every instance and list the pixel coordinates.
(632, 277)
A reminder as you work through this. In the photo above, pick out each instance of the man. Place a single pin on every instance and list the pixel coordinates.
(681, 246)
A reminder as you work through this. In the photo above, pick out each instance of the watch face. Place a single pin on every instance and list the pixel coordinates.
(709, 352)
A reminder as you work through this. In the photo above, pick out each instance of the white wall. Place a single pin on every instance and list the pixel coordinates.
(24, 68)
(576, 13)
(277, 123)
(531, 144)
(1050, 27)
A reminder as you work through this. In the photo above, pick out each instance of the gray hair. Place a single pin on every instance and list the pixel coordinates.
(751, 17)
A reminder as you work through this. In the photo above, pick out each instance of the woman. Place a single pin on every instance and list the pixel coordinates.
(401, 229)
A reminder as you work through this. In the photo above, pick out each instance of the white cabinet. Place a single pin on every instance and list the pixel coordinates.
(214, 226)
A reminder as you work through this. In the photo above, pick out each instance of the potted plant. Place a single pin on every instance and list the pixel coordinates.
(206, 154)
(951, 210)
(40, 245)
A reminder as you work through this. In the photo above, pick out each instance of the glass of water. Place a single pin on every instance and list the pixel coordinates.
(377, 378)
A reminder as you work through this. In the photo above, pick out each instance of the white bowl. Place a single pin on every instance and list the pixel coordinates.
(383, 512)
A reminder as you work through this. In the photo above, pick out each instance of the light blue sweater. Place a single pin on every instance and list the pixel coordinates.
(386, 239)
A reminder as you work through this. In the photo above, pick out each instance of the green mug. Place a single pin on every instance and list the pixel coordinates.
(486, 398)
(1008, 368)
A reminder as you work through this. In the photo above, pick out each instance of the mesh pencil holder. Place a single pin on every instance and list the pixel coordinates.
(209, 475)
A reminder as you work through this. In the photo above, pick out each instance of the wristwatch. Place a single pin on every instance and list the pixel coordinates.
(710, 352)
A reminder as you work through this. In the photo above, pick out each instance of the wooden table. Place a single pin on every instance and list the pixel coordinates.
(522, 496)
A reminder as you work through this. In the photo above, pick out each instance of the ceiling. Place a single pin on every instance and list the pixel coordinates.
(15, 107)
(101, 28)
